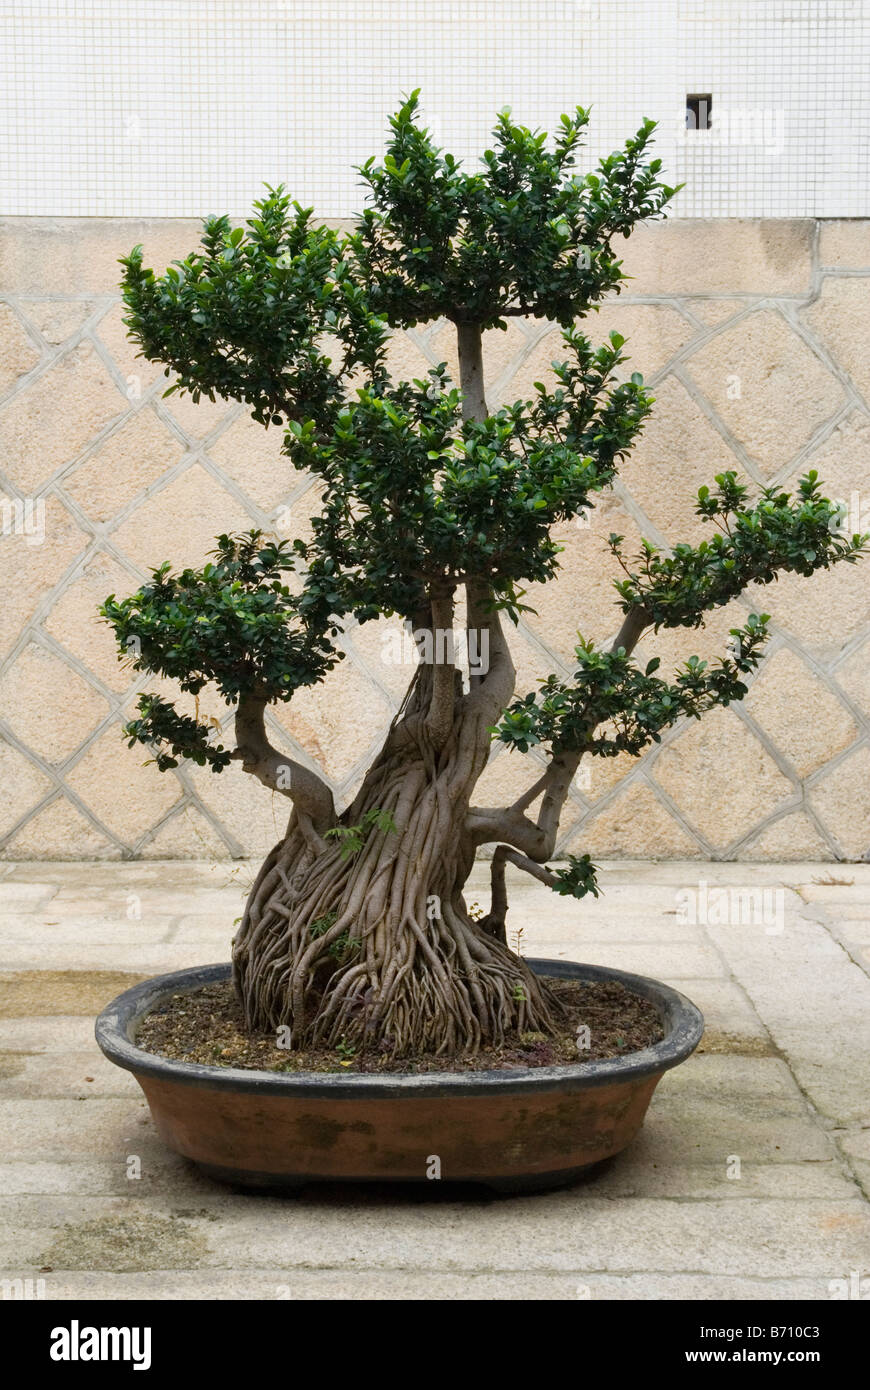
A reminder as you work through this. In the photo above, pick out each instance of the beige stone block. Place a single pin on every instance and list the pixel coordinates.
(789, 839)
(338, 722)
(406, 358)
(514, 359)
(653, 333)
(122, 786)
(504, 351)
(635, 825)
(18, 353)
(596, 776)
(28, 572)
(187, 835)
(76, 255)
(717, 311)
(293, 522)
(845, 243)
(841, 799)
(138, 373)
(532, 659)
(841, 318)
(75, 622)
(843, 465)
(48, 705)
(726, 256)
(582, 599)
(133, 458)
(59, 319)
(56, 416)
(806, 722)
(824, 612)
(506, 777)
(252, 456)
(854, 677)
(59, 832)
(23, 786)
(199, 418)
(442, 347)
(674, 645)
(180, 522)
(766, 386)
(255, 816)
(678, 452)
(721, 777)
(387, 652)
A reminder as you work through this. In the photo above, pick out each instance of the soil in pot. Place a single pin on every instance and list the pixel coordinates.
(206, 1026)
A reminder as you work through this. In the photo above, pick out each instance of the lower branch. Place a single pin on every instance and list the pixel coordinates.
(309, 793)
(494, 922)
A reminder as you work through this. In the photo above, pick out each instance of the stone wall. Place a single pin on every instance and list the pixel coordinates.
(756, 338)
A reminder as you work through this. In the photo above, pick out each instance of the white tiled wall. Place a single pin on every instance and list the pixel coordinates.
(183, 107)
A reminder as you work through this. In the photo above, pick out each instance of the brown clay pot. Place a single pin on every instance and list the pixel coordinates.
(514, 1131)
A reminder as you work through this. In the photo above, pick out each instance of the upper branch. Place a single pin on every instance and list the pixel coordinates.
(246, 316)
(778, 533)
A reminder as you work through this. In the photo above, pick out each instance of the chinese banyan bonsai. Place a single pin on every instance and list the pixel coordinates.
(356, 929)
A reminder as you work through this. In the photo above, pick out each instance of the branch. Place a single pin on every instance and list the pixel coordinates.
(538, 871)
(559, 776)
(778, 533)
(494, 688)
(309, 793)
(494, 921)
(634, 624)
(496, 825)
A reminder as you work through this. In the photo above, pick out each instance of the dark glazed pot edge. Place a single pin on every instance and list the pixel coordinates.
(116, 1028)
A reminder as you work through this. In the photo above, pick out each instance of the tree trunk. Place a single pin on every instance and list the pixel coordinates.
(377, 947)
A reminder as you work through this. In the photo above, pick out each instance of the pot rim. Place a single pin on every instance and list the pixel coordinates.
(115, 1032)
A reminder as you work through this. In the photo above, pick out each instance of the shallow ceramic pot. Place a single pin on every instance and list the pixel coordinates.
(516, 1130)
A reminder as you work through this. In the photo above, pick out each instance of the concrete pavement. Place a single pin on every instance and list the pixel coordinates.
(750, 1179)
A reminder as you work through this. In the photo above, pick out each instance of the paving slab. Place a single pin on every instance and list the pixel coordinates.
(815, 1002)
(37, 931)
(72, 1076)
(731, 1023)
(47, 1033)
(673, 963)
(27, 992)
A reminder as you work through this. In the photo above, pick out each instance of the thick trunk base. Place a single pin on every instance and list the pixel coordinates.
(375, 950)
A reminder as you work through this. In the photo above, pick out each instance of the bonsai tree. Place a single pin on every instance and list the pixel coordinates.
(356, 927)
